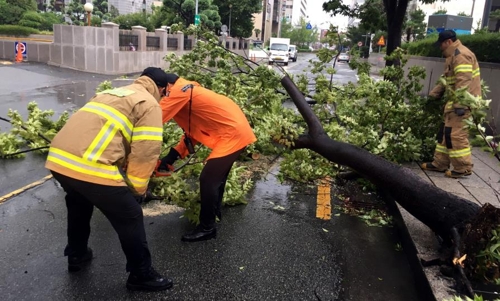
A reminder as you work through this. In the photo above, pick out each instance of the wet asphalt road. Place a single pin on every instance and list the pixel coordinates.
(261, 253)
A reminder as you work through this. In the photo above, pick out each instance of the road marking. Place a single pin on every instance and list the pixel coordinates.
(23, 189)
(324, 207)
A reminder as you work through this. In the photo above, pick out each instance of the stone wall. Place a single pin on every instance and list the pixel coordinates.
(434, 67)
(96, 49)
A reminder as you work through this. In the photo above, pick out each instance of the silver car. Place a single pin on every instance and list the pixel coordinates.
(344, 57)
(292, 53)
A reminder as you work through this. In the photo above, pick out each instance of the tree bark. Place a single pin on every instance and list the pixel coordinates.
(436, 208)
(395, 11)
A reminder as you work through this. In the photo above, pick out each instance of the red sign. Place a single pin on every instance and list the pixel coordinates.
(360, 44)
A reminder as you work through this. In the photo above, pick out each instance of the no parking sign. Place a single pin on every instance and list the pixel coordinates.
(22, 46)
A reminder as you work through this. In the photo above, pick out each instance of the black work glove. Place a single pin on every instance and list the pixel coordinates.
(459, 111)
(140, 198)
(147, 197)
(169, 159)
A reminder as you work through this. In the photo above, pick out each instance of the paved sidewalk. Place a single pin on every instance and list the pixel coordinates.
(482, 187)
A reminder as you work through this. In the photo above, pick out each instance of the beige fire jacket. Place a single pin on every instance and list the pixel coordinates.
(116, 127)
(461, 69)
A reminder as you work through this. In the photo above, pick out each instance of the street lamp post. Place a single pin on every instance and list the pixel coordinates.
(89, 7)
(229, 32)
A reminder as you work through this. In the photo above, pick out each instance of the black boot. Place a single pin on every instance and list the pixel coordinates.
(149, 281)
(199, 234)
(76, 263)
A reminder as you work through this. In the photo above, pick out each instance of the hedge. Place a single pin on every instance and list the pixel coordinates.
(486, 46)
(17, 31)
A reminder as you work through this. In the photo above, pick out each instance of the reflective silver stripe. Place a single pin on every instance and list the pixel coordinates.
(118, 119)
(95, 170)
(100, 144)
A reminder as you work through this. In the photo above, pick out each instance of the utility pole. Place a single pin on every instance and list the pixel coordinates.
(196, 8)
(230, 7)
(472, 12)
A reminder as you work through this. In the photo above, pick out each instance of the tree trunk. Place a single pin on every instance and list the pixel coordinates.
(436, 208)
(395, 11)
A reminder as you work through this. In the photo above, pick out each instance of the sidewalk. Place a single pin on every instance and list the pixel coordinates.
(481, 187)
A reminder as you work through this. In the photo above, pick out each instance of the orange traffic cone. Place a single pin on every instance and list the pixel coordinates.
(19, 56)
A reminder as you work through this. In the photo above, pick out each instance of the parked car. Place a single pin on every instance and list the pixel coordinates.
(292, 53)
(344, 57)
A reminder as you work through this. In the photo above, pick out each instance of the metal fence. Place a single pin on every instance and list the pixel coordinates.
(128, 42)
(152, 43)
(172, 43)
(188, 44)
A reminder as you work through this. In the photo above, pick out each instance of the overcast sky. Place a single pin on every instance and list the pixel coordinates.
(320, 18)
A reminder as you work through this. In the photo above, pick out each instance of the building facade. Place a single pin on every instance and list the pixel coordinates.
(123, 6)
(131, 6)
(294, 10)
(479, 10)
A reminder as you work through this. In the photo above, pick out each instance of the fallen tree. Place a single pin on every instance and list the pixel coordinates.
(443, 212)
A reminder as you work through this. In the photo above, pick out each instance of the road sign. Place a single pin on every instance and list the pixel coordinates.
(381, 42)
(223, 28)
(360, 43)
(197, 20)
(22, 46)
(309, 26)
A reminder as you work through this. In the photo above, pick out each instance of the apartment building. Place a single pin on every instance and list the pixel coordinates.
(479, 10)
(269, 21)
(123, 6)
(131, 6)
(294, 10)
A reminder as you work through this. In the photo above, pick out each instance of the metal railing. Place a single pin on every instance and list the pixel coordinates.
(128, 42)
(188, 44)
(152, 43)
(173, 43)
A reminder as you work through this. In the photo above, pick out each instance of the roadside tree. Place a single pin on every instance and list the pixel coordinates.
(241, 13)
(183, 11)
(395, 15)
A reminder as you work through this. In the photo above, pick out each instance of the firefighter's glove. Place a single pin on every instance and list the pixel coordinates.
(459, 111)
(169, 159)
(140, 198)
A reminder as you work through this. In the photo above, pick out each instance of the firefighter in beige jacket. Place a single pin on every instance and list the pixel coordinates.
(461, 70)
(116, 128)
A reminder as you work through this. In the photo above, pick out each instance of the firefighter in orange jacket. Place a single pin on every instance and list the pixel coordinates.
(217, 122)
(461, 70)
(115, 128)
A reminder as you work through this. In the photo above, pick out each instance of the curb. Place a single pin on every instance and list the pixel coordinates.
(409, 247)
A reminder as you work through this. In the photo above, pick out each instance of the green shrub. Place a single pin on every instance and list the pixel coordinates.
(17, 31)
(49, 19)
(31, 19)
(486, 46)
(134, 19)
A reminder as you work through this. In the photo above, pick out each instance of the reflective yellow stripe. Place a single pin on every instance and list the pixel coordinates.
(138, 182)
(100, 142)
(112, 114)
(463, 68)
(441, 148)
(476, 73)
(147, 133)
(83, 166)
(460, 153)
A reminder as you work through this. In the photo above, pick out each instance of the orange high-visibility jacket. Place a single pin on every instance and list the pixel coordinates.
(116, 127)
(216, 121)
